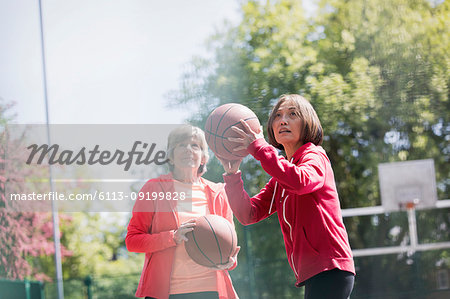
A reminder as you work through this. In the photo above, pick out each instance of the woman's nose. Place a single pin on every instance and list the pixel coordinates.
(283, 120)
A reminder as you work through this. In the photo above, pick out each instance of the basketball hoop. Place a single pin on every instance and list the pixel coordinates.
(409, 205)
(402, 183)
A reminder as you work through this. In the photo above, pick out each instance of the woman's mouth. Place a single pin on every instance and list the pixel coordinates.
(284, 131)
(187, 158)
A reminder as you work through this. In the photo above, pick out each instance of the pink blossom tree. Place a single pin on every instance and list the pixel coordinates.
(25, 237)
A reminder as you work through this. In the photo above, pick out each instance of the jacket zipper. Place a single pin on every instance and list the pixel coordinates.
(290, 227)
(290, 234)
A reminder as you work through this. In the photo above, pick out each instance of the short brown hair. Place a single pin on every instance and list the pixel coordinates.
(180, 134)
(312, 129)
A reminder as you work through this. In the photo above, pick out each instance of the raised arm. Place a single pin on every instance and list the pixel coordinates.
(248, 210)
(304, 178)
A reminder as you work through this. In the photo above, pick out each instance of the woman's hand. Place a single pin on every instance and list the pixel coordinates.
(180, 233)
(230, 263)
(247, 136)
(230, 167)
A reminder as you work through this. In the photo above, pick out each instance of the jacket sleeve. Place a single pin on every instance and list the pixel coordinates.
(307, 177)
(248, 210)
(139, 237)
(225, 208)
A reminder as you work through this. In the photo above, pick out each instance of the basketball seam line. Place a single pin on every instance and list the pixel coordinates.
(223, 145)
(201, 251)
(221, 136)
(215, 237)
(232, 239)
(218, 124)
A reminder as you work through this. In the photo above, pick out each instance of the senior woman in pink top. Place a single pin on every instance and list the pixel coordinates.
(158, 227)
(303, 192)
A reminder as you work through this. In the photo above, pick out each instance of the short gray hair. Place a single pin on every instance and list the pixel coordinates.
(182, 133)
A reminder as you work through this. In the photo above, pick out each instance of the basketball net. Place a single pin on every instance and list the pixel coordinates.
(409, 205)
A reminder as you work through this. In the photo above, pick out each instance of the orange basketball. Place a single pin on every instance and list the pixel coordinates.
(212, 242)
(218, 129)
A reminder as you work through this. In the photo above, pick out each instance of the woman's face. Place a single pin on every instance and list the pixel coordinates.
(287, 125)
(187, 154)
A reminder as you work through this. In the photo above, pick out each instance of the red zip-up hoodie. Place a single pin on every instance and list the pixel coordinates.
(151, 231)
(303, 192)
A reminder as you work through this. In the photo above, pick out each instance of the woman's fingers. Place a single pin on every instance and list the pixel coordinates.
(234, 139)
(239, 148)
(248, 134)
(239, 131)
(246, 126)
(230, 166)
(185, 227)
(193, 220)
(188, 225)
(229, 264)
(238, 248)
(261, 133)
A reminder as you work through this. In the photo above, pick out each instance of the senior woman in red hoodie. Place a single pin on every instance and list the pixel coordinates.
(302, 191)
(158, 227)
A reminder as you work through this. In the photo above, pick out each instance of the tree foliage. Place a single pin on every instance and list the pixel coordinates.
(26, 238)
(91, 243)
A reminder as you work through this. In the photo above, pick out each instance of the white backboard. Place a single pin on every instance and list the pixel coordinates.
(406, 182)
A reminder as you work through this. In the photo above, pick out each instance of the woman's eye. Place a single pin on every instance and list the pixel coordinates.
(293, 114)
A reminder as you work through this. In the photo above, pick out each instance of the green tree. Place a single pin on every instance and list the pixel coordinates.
(26, 237)
(91, 243)
(97, 243)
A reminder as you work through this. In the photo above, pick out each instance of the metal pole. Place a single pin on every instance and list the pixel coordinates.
(412, 228)
(27, 289)
(250, 264)
(56, 241)
(88, 284)
(414, 245)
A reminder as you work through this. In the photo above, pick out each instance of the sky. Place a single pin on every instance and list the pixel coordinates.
(107, 61)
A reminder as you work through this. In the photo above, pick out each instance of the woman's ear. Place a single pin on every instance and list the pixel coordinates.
(203, 160)
(201, 169)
